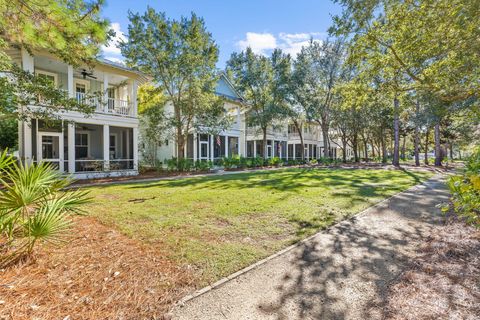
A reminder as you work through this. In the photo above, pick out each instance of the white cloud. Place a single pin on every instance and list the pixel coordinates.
(259, 42)
(111, 51)
(264, 43)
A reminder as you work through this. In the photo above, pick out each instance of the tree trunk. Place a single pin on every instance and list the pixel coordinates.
(355, 147)
(426, 145)
(264, 130)
(373, 148)
(344, 153)
(300, 134)
(416, 139)
(403, 147)
(396, 132)
(179, 129)
(180, 144)
(365, 145)
(438, 147)
(326, 147)
(451, 150)
(384, 148)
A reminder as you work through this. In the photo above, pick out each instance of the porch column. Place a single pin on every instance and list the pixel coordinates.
(71, 92)
(273, 149)
(134, 97)
(286, 150)
(106, 149)
(71, 147)
(211, 148)
(294, 153)
(27, 61)
(135, 148)
(27, 142)
(254, 148)
(195, 146)
(185, 147)
(226, 146)
(105, 92)
(238, 117)
(25, 135)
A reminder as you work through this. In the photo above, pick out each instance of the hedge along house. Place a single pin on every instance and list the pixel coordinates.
(208, 147)
(102, 144)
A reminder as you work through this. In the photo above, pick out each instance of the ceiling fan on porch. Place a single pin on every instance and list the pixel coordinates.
(86, 74)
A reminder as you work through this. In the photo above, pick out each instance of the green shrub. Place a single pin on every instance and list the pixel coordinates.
(465, 189)
(259, 162)
(203, 165)
(180, 165)
(172, 164)
(325, 160)
(242, 162)
(232, 162)
(275, 161)
(218, 162)
(292, 162)
(313, 161)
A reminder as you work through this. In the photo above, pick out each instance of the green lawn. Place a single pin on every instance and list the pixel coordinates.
(220, 224)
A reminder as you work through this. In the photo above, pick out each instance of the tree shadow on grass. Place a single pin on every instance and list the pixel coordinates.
(344, 273)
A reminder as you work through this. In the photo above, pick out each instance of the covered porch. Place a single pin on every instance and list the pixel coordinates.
(275, 148)
(211, 147)
(87, 150)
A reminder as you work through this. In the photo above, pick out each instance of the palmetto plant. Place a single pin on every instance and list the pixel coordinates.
(34, 207)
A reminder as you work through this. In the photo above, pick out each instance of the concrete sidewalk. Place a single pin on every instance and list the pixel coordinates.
(340, 273)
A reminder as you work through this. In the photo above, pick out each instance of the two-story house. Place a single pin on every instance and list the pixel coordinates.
(203, 146)
(101, 144)
(312, 141)
(277, 140)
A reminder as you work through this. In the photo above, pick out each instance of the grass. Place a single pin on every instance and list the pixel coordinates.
(219, 224)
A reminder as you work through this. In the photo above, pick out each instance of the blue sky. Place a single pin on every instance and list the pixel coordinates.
(261, 24)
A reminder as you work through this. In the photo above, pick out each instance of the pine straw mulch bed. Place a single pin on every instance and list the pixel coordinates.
(443, 281)
(99, 274)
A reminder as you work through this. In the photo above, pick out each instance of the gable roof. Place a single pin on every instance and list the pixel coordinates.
(226, 89)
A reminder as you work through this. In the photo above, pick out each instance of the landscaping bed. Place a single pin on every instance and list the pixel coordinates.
(442, 282)
(99, 274)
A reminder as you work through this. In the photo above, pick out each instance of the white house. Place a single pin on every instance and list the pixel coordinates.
(277, 140)
(227, 143)
(283, 140)
(104, 143)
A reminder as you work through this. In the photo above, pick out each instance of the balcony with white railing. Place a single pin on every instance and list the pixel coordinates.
(120, 107)
(306, 135)
(113, 106)
(109, 91)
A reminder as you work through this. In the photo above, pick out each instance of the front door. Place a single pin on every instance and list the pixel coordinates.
(50, 148)
(204, 147)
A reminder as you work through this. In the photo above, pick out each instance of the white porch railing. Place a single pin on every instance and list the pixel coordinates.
(121, 107)
(114, 106)
(306, 136)
(278, 134)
